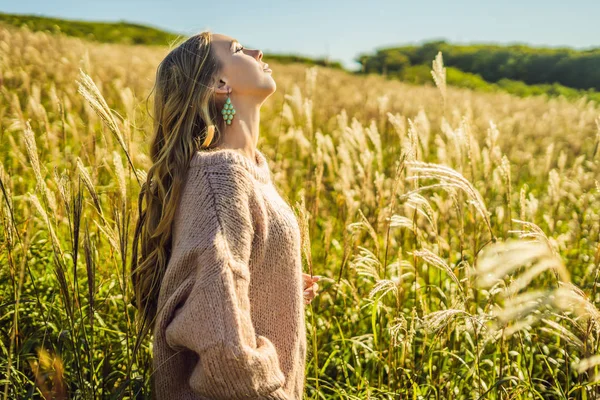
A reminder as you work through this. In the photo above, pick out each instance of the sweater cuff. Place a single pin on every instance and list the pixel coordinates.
(234, 373)
(272, 366)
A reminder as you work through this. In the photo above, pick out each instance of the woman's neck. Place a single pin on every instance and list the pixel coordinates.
(242, 133)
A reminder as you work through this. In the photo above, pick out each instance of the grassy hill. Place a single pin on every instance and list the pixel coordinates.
(107, 32)
(129, 33)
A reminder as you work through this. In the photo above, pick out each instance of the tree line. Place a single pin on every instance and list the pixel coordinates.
(579, 69)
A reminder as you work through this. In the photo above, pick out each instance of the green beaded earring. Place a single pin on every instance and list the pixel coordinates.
(228, 111)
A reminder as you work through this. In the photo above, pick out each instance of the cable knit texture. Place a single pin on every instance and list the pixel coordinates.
(230, 321)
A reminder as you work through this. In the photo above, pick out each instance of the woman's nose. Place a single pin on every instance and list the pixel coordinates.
(259, 55)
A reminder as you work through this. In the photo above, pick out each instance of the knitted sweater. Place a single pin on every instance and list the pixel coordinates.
(230, 321)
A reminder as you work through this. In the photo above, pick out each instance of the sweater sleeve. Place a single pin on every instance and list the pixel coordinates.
(214, 233)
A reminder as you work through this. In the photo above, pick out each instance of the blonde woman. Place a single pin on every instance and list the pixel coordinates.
(218, 279)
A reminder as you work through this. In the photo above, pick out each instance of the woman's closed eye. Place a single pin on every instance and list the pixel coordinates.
(240, 49)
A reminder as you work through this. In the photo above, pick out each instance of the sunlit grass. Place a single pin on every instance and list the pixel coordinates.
(457, 232)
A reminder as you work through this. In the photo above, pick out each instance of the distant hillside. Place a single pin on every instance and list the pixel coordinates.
(128, 33)
(108, 32)
(578, 69)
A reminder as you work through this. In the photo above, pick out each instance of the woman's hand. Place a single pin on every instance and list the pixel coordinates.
(310, 287)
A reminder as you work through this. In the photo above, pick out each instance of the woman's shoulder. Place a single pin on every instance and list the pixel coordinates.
(215, 192)
(222, 179)
(227, 163)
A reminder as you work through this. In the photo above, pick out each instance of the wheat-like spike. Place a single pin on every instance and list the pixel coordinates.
(438, 171)
(439, 74)
(120, 173)
(402, 222)
(142, 174)
(88, 89)
(442, 185)
(572, 298)
(436, 261)
(365, 224)
(411, 145)
(399, 332)
(64, 187)
(7, 207)
(382, 287)
(304, 225)
(87, 181)
(522, 203)
(90, 92)
(533, 231)
(112, 237)
(587, 363)
(437, 320)
(31, 147)
(366, 263)
(36, 202)
(310, 79)
(563, 332)
(421, 204)
(422, 170)
(502, 258)
(536, 269)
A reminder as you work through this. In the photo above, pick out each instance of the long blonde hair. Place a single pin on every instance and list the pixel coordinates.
(186, 119)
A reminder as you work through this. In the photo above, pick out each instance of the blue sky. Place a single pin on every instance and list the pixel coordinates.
(343, 29)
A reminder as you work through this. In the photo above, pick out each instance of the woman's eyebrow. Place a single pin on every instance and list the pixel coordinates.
(232, 43)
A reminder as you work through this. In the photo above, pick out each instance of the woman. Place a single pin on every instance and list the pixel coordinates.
(219, 278)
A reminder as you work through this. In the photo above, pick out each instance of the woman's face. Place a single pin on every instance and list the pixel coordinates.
(243, 68)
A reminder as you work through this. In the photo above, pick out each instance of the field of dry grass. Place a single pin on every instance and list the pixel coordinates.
(457, 232)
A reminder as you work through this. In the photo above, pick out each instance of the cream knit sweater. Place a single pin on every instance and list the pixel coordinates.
(230, 321)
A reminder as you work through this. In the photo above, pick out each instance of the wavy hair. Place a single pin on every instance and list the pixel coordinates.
(186, 120)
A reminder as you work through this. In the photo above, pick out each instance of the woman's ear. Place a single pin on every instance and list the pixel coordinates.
(222, 87)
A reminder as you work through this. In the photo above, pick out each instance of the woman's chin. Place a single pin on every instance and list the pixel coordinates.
(271, 85)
